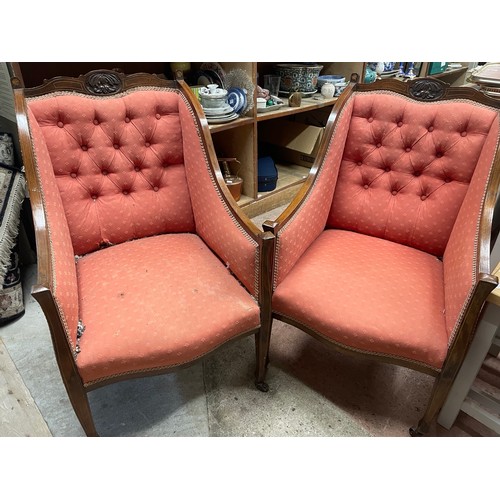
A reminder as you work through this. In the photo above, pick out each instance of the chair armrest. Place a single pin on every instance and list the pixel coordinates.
(306, 216)
(466, 260)
(55, 257)
(218, 219)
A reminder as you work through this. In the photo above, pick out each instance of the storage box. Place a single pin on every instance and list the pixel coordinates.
(267, 173)
(291, 141)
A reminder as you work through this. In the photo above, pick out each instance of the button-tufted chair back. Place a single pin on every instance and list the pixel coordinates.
(118, 163)
(406, 167)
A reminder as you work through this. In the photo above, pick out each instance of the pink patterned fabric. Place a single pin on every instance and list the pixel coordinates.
(369, 294)
(118, 163)
(406, 168)
(175, 303)
(294, 238)
(460, 256)
(214, 222)
(64, 288)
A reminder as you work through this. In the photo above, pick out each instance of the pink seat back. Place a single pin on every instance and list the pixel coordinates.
(407, 166)
(118, 163)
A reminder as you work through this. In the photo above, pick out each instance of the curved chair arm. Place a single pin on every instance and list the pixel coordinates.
(466, 261)
(56, 286)
(310, 207)
(218, 219)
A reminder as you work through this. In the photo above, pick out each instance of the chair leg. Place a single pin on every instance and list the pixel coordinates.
(262, 342)
(80, 402)
(440, 392)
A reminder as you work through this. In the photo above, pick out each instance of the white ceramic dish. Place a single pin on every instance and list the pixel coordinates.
(274, 107)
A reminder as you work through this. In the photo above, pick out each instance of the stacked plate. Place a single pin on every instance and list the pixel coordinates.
(237, 99)
(221, 114)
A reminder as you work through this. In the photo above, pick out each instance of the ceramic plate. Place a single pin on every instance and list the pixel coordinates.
(218, 111)
(213, 66)
(223, 119)
(274, 107)
(235, 99)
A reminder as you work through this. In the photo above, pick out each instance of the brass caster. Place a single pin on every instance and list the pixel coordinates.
(414, 433)
(262, 386)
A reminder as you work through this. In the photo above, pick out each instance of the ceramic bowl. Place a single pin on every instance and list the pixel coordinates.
(300, 77)
(335, 79)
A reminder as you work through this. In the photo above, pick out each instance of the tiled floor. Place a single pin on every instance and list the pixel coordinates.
(313, 392)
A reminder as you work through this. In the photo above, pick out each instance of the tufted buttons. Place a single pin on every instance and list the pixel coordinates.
(400, 124)
(158, 116)
(116, 146)
(125, 192)
(417, 174)
(463, 134)
(60, 124)
(430, 129)
(96, 122)
(366, 186)
(147, 144)
(423, 197)
(84, 148)
(447, 179)
(370, 119)
(407, 150)
(394, 192)
(387, 169)
(439, 155)
(359, 163)
(137, 169)
(104, 172)
(379, 145)
(127, 119)
(94, 196)
(73, 174)
(156, 188)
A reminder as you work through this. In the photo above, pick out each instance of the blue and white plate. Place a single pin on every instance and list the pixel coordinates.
(237, 99)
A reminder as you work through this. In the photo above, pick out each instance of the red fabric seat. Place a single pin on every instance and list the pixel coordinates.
(181, 303)
(369, 294)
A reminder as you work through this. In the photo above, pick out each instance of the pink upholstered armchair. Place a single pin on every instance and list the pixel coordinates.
(145, 262)
(385, 251)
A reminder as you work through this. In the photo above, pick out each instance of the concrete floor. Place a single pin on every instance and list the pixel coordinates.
(313, 391)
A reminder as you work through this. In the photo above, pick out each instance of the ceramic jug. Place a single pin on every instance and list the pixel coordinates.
(328, 90)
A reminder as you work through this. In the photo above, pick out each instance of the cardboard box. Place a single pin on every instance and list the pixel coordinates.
(292, 142)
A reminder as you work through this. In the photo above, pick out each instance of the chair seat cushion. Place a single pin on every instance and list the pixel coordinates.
(155, 303)
(369, 294)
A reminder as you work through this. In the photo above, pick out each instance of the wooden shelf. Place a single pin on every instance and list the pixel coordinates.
(219, 127)
(315, 102)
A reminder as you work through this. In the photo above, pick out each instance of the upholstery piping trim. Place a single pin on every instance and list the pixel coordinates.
(362, 351)
(163, 367)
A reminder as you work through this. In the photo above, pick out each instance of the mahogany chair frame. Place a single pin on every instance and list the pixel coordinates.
(427, 90)
(107, 82)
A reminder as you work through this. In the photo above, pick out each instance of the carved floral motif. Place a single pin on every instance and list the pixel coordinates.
(426, 90)
(102, 83)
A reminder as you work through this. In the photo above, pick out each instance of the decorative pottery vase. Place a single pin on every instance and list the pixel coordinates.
(328, 90)
(370, 75)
